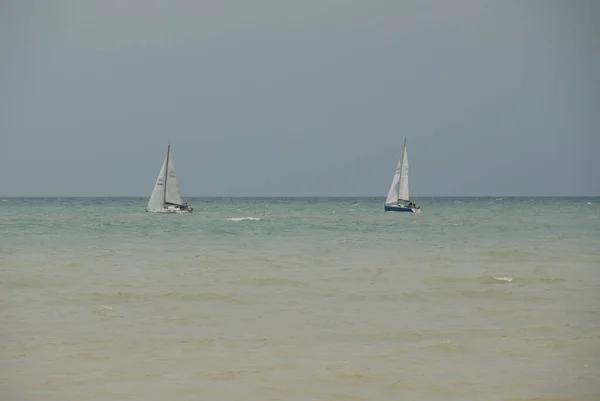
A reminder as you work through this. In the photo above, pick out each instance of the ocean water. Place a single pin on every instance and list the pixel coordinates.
(300, 299)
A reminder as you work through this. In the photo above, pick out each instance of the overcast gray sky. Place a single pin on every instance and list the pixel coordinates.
(310, 97)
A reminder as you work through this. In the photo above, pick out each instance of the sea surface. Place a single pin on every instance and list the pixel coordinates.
(300, 299)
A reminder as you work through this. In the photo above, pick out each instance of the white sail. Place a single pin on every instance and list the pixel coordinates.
(392, 197)
(403, 193)
(166, 190)
(399, 188)
(157, 199)
(172, 194)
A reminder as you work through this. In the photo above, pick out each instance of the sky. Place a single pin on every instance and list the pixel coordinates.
(300, 98)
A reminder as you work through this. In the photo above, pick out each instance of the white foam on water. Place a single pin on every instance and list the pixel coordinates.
(507, 279)
(243, 218)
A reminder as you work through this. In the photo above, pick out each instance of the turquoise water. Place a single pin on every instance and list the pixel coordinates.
(300, 299)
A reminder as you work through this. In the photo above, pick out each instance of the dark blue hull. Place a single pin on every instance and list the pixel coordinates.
(394, 208)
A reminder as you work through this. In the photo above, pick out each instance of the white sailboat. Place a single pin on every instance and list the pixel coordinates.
(166, 196)
(398, 199)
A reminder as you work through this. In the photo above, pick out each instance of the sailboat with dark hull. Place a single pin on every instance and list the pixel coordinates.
(166, 195)
(398, 199)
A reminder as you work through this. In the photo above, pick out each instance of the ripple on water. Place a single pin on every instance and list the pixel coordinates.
(104, 301)
(122, 297)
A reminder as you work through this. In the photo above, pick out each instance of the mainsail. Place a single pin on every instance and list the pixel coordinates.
(172, 192)
(166, 190)
(399, 188)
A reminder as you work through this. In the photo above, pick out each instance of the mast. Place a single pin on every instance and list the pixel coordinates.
(166, 175)
(401, 165)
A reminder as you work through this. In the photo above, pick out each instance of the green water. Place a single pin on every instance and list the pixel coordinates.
(296, 299)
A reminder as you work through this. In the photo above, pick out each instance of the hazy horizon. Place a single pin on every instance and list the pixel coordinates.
(311, 99)
(317, 197)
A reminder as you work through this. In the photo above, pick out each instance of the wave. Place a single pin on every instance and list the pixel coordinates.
(555, 398)
(375, 296)
(243, 218)
(445, 347)
(500, 279)
(497, 279)
(113, 298)
(274, 281)
(506, 279)
(511, 254)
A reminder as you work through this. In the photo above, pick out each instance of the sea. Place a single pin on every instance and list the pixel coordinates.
(300, 299)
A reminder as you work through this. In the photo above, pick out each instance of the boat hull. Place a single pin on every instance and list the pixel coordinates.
(397, 208)
(164, 211)
(168, 210)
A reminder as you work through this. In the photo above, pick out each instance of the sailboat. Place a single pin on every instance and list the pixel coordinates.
(398, 199)
(166, 196)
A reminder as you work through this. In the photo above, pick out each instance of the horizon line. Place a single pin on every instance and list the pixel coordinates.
(301, 196)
